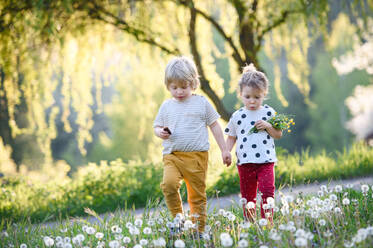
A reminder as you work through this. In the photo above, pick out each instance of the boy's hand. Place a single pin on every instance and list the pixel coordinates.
(227, 158)
(162, 133)
(262, 125)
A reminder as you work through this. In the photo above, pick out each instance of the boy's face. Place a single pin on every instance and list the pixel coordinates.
(252, 98)
(180, 91)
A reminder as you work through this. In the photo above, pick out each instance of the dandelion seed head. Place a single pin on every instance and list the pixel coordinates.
(147, 230)
(206, 236)
(207, 228)
(364, 188)
(66, 240)
(243, 243)
(231, 217)
(48, 241)
(322, 222)
(23, 246)
(179, 243)
(118, 236)
(90, 230)
(320, 193)
(126, 240)
(337, 210)
(138, 222)
(263, 222)
(67, 245)
(296, 212)
(129, 225)
(144, 242)
(346, 201)
(333, 197)
(151, 222)
(250, 205)
(137, 246)
(338, 188)
(243, 201)
(324, 188)
(221, 211)
(348, 244)
(114, 244)
(300, 242)
(116, 229)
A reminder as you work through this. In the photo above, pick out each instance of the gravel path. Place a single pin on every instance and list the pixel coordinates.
(231, 200)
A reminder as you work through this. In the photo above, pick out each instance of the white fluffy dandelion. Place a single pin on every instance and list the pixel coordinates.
(263, 222)
(322, 222)
(300, 242)
(138, 222)
(143, 242)
(23, 246)
(338, 188)
(116, 229)
(250, 205)
(179, 243)
(147, 231)
(90, 230)
(364, 188)
(99, 235)
(243, 201)
(346, 201)
(126, 240)
(48, 241)
(243, 243)
(114, 244)
(226, 240)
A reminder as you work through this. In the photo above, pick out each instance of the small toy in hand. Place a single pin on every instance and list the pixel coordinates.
(167, 130)
(279, 121)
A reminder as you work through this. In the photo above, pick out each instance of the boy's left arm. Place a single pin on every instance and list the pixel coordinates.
(218, 135)
(274, 132)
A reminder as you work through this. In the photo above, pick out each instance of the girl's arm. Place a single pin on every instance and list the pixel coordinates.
(218, 135)
(263, 125)
(231, 140)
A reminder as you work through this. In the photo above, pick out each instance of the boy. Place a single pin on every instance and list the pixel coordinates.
(182, 123)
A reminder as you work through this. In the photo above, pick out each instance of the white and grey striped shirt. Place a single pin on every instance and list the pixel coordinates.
(187, 121)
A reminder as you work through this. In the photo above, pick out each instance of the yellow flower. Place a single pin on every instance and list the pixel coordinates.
(289, 131)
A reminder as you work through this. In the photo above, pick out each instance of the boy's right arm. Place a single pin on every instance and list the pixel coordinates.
(230, 143)
(161, 133)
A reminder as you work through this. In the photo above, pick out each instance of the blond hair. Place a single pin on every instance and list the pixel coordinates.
(181, 70)
(251, 77)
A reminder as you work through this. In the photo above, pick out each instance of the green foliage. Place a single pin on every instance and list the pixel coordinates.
(338, 217)
(106, 187)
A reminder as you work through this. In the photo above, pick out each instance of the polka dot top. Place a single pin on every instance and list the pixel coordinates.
(256, 147)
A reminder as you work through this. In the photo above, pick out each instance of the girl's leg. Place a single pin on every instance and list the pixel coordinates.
(248, 187)
(266, 183)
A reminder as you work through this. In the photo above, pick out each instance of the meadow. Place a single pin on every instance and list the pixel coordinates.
(332, 217)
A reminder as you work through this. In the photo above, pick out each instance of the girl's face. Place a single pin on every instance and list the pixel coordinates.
(252, 98)
(180, 91)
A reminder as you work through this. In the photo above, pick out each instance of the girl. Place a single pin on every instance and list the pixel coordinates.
(255, 152)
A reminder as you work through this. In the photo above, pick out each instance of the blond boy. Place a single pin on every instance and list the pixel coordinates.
(182, 123)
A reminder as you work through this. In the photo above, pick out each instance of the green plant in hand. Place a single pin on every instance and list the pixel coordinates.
(279, 121)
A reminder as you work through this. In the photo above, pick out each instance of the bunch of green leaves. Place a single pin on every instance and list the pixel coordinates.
(279, 121)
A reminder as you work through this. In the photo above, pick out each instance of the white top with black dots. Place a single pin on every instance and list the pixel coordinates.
(256, 147)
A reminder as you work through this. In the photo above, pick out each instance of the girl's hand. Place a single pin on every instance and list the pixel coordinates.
(227, 158)
(262, 125)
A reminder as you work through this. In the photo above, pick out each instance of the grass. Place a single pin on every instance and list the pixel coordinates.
(109, 186)
(337, 217)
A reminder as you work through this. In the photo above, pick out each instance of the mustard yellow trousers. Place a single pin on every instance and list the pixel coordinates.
(192, 167)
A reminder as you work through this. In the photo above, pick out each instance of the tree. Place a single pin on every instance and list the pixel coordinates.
(32, 30)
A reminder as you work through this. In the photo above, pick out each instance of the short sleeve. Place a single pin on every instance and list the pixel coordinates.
(159, 119)
(270, 112)
(230, 129)
(211, 114)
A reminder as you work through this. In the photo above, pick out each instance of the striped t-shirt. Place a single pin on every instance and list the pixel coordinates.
(187, 121)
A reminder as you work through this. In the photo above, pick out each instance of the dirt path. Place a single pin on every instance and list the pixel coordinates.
(231, 200)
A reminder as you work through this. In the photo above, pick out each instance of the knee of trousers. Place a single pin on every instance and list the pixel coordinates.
(170, 187)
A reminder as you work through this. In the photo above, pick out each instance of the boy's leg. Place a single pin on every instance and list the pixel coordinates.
(248, 187)
(266, 179)
(194, 171)
(171, 184)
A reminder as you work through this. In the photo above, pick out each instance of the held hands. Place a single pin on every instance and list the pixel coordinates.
(262, 125)
(227, 158)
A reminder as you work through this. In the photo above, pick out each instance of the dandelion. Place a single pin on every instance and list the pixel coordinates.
(231, 217)
(188, 224)
(206, 236)
(275, 236)
(289, 198)
(226, 240)
(263, 222)
(296, 212)
(23, 246)
(279, 121)
(116, 229)
(245, 225)
(143, 242)
(67, 240)
(118, 236)
(99, 235)
(129, 225)
(271, 201)
(179, 243)
(90, 230)
(338, 188)
(300, 242)
(243, 201)
(147, 230)
(333, 197)
(48, 241)
(67, 245)
(346, 201)
(349, 186)
(126, 240)
(348, 244)
(320, 193)
(137, 246)
(337, 210)
(161, 242)
(322, 222)
(207, 228)
(243, 243)
(134, 231)
(138, 222)
(250, 205)
(364, 188)
(151, 222)
(114, 244)
(282, 227)
(263, 246)
(324, 188)
(328, 234)
(63, 230)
